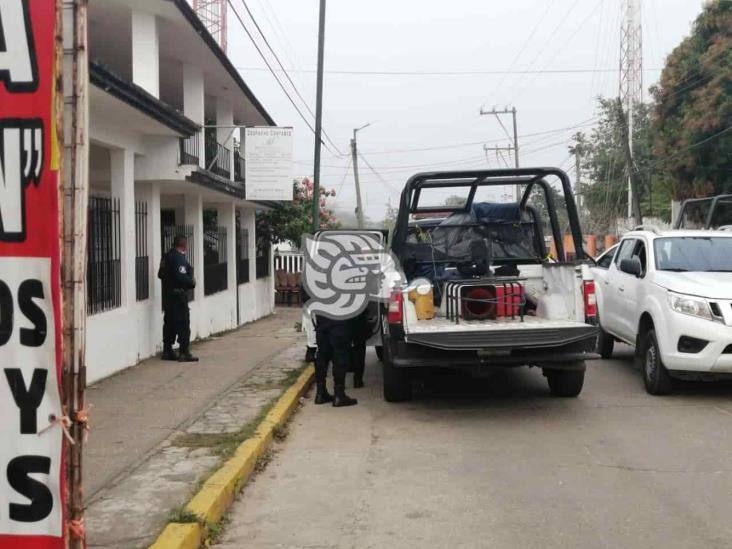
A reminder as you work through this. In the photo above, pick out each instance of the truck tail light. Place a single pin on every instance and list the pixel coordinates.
(395, 310)
(590, 299)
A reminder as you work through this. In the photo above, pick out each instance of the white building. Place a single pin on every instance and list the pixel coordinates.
(159, 84)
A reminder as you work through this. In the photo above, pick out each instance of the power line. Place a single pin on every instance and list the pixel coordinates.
(584, 124)
(282, 86)
(377, 174)
(451, 73)
(287, 75)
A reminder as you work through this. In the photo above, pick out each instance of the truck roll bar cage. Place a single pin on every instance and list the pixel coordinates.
(528, 177)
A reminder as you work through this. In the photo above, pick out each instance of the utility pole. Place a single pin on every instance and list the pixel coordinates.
(318, 119)
(354, 153)
(515, 147)
(75, 139)
(631, 84)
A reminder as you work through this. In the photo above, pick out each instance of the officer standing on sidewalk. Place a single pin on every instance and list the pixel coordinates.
(334, 343)
(177, 278)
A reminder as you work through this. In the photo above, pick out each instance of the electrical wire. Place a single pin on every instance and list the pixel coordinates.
(287, 75)
(450, 73)
(282, 86)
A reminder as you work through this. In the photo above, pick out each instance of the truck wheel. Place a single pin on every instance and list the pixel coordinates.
(605, 344)
(565, 383)
(379, 352)
(655, 375)
(397, 381)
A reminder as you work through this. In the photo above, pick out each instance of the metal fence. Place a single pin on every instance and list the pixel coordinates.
(218, 159)
(142, 260)
(262, 260)
(242, 256)
(215, 267)
(290, 262)
(103, 272)
(189, 150)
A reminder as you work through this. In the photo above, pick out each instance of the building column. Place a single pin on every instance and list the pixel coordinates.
(194, 217)
(194, 103)
(225, 133)
(122, 171)
(146, 52)
(156, 254)
(248, 222)
(227, 219)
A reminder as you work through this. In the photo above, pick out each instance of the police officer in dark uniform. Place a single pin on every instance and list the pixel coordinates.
(177, 278)
(334, 343)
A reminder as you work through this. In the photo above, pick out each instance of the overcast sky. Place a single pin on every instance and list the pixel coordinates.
(441, 112)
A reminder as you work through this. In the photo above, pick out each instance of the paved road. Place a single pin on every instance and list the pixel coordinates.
(499, 463)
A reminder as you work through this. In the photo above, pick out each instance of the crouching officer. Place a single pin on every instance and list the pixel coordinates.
(334, 343)
(177, 278)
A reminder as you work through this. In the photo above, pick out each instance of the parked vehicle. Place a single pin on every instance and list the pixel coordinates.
(714, 212)
(669, 294)
(482, 291)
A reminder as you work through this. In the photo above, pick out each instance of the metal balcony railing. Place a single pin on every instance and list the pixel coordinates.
(218, 159)
(189, 153)
(238, 167)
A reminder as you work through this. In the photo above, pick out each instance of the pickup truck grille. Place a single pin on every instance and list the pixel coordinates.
(504, 339)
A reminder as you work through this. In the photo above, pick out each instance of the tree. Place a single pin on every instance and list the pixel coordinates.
(293, 219)
(692, 136)
(604, 168)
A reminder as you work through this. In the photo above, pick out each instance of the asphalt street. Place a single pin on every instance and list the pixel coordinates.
(497, 462)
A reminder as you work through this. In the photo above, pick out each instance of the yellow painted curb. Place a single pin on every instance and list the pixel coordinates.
(179, 536)
(217, 493)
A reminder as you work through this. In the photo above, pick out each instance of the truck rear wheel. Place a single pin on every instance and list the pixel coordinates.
(397, 381)
(565, 383)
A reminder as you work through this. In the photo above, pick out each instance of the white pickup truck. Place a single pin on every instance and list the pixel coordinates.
(490, 294)
(669, 293)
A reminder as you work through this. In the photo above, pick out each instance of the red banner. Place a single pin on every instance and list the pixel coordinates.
(31, 451)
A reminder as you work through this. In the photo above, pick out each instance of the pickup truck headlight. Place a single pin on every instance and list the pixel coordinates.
(692, 306)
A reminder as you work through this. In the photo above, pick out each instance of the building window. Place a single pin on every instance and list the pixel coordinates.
(142, 260)
(169, 232)
(215, 267)
(242, 256)
(103, 275)
(262, 267)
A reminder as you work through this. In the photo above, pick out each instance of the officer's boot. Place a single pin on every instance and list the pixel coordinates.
(186, 356)
(341, 398)
(168, 354)
(322, 396)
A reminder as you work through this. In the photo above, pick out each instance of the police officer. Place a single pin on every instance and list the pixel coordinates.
(334, 343)
(177, 277)
(360, 334)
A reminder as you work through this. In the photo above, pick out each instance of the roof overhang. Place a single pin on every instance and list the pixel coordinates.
(137, 98)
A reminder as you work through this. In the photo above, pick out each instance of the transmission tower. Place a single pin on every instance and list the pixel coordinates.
(212, 14)
(631, 72)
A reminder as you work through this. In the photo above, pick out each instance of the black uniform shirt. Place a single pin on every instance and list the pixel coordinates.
(177, 273)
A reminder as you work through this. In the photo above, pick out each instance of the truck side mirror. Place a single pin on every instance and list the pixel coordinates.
(632, 266)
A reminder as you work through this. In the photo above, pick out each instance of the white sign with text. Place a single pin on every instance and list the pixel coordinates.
(30, 452)
(268, 161)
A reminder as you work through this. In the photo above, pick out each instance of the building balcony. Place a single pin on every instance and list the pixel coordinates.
(189, 150)
(218, 159)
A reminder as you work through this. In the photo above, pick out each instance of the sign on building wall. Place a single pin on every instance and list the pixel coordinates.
(268, 160)
(31, 437)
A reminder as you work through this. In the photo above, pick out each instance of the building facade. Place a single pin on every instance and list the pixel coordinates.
(165, 107)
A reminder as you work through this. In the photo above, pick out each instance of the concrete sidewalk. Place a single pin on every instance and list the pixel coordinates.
(134, 413)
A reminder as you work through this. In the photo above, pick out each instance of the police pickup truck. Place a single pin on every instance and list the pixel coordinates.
(491, 284)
